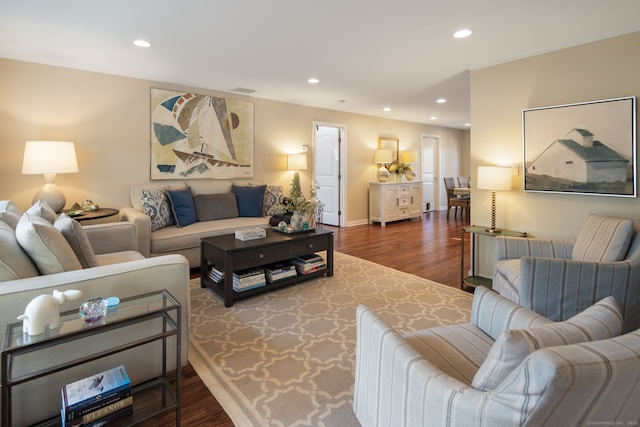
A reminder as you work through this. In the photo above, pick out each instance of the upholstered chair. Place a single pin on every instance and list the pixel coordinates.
(508, 366)
(559, 278)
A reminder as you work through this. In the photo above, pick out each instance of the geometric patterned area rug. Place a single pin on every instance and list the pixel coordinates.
(287, 357)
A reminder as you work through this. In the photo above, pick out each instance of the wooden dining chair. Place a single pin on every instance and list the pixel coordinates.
(453, 201)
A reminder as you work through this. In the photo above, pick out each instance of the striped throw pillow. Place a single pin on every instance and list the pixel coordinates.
(603, 239)
(602, 320)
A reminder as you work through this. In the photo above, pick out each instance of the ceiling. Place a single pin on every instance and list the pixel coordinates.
(367, 54)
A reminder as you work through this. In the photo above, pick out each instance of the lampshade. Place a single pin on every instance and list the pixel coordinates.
(49, 157)
(494, 178)
(383, 156)
(296, 162)
(410, 156)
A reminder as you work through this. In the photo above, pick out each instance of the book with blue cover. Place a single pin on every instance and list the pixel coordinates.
(95, 388)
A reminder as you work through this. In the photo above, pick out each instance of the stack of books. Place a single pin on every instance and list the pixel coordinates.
(248, 279)
(307, 264)
(242, 280)
(98, 399)
(280, 271)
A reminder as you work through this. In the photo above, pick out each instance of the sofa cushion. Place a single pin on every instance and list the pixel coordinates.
(250, 199)
(77, 238)
(603, 239)
(14, 263)
(216, 206)
(137, 190)
(43, 210)
(45, 245)
(272, 204)
(183, 209)
(602, 320)
(155, 204)
(10, 213)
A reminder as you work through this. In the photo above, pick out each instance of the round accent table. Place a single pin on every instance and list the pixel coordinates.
(100, 213)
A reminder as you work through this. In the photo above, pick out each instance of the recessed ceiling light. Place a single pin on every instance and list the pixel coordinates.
(460, 34)
(386, 109)
(142, 43)
(433, 118)
(313, 81)
(467, 124)
(441, 100)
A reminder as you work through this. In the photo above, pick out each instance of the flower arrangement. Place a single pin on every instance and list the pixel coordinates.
(399, 168)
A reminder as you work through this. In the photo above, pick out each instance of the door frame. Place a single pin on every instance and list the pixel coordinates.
(437, 166)
(342, 208)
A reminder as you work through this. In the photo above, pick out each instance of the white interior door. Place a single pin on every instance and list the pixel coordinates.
(327, 172)
(429, 168)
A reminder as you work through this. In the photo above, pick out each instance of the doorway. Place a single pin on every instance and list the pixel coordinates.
(329, 170)
(429, 165)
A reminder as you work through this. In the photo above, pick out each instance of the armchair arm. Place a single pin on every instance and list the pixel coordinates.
(112, 237)
(518, 247)
(142, 223)
(560, 288)
(396, 386)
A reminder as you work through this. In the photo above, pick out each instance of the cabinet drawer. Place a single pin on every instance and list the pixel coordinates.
(258, 257)
(307, 247)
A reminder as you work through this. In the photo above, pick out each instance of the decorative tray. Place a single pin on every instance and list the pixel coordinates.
(292, 231)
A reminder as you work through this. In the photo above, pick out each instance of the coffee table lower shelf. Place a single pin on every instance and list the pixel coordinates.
(219, 288)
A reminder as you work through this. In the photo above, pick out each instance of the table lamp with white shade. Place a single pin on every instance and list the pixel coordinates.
(494, 178)
(410, 157)
(382, 157)
(50, 158)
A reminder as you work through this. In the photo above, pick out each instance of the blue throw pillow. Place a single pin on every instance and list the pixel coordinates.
(182, 207)
(250, 200)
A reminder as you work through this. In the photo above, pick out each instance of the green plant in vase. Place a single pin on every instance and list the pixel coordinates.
(303, 210)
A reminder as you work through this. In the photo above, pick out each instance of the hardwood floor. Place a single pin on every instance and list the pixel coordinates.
(428, 248)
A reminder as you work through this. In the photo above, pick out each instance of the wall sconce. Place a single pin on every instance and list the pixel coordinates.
(494, 178)
(381, 158)
(50, 158)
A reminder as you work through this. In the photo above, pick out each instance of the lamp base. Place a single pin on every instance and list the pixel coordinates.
(493, 230)
(383, 174)
(52, 196)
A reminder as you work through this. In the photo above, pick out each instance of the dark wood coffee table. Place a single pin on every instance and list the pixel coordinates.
(230, 254)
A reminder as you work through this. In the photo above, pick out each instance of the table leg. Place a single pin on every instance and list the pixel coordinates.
(228, 281)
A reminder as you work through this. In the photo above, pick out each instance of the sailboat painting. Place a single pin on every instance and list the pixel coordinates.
(200, 136)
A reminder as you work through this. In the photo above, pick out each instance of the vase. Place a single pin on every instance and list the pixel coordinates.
(410, 175)
(296, 220)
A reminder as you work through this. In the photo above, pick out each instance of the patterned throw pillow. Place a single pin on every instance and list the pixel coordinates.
(272, 200)
(156, 205)
(601, 321)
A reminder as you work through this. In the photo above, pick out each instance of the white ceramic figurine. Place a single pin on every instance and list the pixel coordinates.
(44, 310)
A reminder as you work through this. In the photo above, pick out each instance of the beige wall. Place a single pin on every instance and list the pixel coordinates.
(595, 71)
(108, 119)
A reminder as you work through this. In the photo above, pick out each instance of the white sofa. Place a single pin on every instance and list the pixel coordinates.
(122, 272)
(508, 366)
(186, 240)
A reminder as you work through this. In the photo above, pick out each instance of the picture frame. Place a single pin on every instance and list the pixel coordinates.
(586, 148)
(197, 136)
(389, 143)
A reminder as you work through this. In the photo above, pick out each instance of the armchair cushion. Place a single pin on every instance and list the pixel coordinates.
(603, 239)
(43, 210)
(77, 238)
(156, 205)
(14, 263)
(46, 247)
(601, 321)
(10, 213)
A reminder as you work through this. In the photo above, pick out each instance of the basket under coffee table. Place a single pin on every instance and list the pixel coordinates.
(230, 254)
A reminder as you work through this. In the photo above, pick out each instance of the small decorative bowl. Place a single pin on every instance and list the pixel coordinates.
(93, 309)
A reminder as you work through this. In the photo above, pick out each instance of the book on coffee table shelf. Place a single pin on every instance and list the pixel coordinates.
(93, 398)
(280, 271)
(243, 280)
(308, 264)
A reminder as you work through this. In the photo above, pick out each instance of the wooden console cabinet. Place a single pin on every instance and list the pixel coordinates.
(393, 201)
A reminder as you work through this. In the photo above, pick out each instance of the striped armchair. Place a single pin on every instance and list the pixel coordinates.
(450, 375)
(559, 278)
